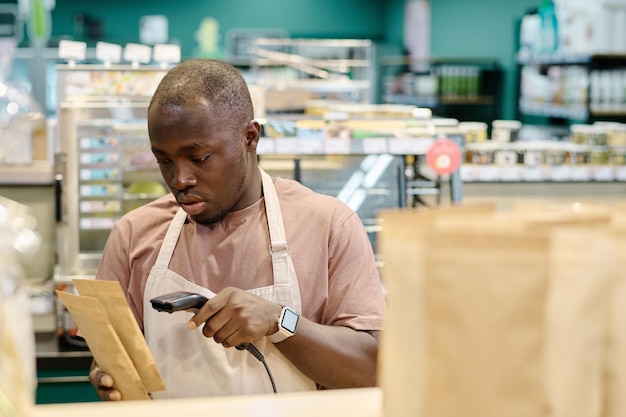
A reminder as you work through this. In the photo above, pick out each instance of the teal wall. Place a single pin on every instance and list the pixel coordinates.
(460, 28)
(480, 28)
(302, 18)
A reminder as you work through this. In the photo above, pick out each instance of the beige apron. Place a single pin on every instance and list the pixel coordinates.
(192, 365)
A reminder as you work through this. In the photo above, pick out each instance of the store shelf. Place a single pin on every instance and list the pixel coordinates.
(337, 146)
(41, 173)
(542, 173)
(553, 110)
(567, 58)
(454, 87)
(586, 81)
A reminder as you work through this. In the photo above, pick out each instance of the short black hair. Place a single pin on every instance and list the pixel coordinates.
(212, 81)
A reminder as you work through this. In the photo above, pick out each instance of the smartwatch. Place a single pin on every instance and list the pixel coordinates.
(287, 323)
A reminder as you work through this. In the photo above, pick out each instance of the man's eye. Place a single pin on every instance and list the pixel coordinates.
(162, 161)
(200, 158)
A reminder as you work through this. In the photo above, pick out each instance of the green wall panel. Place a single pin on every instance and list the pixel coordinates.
(459, 28)
(480, 28)
(302, 18)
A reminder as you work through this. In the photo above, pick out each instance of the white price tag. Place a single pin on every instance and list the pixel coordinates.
(374, 146)
(560, 173)
(337, 146)
(166, 54)
(603, 173)
(580, 173)
(488, 173)
(109, 53)
(72, 50)
(137, 53)
(533, 173)
(510, 173)
(469, 172)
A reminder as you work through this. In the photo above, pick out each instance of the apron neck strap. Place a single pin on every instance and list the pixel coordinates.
(171, 238)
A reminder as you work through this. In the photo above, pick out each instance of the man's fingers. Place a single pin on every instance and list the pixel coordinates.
(104, 383)
(108, 394)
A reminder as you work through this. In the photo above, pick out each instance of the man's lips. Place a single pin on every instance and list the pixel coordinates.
(191, 205)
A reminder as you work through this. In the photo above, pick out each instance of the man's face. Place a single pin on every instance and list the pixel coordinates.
(204, 161)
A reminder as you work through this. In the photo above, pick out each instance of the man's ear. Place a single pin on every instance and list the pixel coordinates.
(253, 134)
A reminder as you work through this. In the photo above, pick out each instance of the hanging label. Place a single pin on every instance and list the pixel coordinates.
(108, 53)
(166, 54)
(137, 53)
(444, 156)
(72, 50)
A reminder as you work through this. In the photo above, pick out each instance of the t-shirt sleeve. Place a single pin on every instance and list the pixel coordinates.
(356, 298)
(115, 264)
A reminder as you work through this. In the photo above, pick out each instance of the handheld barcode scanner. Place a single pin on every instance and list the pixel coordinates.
(177, 301)
(185, 300)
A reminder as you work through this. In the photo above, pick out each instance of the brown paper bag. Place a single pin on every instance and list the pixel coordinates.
(616, 349)
(106, 347)
(112, 298)
(494, 314)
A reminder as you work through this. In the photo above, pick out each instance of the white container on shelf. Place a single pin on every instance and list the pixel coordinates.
(505, 130)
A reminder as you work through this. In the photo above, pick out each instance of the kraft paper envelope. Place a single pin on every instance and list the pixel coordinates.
(112, 298)
(106, 347)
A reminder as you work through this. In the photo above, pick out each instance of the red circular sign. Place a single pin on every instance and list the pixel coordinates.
(444, 156)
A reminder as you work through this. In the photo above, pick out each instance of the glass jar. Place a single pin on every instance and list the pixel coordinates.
(505, 130)
(475, 132)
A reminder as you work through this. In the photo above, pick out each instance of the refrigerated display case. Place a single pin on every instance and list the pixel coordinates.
(291, 72)
(104, 167)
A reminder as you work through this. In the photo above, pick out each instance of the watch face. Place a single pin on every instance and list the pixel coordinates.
(290, 321)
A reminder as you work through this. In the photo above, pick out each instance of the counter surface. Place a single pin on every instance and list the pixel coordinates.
(360, 402)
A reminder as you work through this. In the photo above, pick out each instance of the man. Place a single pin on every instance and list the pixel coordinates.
(257, 248)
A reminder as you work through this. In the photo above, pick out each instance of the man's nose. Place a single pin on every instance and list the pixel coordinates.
(183, 178)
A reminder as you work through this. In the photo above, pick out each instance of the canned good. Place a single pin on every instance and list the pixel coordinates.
(616, 134)
(505, 130)
(582, 134)
(617, 156)
(505, 157)
(592, 135)
(555, 157)
(482, 157)
(599, 156)
(532, 157)
(578, 157)
(475, 132)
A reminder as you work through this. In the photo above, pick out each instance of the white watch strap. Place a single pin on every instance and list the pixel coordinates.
(282, 332)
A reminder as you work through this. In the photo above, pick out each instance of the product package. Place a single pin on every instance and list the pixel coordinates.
(107, 324)
(503, 312)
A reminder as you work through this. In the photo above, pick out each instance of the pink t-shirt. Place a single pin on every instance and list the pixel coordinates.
(330, 250)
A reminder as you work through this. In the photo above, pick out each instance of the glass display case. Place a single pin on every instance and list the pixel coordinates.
(104, 167)
(290, 72)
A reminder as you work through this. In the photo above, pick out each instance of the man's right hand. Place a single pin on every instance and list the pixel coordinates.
(104, 385)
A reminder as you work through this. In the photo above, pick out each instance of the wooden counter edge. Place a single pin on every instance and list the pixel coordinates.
(358, 402)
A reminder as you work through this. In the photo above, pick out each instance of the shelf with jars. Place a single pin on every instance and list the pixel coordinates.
(576, 87)
(460, 88)
(587, 153)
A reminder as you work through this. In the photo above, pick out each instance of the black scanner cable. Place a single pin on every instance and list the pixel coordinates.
(257, 354)
(184, 300)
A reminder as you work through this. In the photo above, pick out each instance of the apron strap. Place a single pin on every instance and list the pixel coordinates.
(171, 238)
(279, 250)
